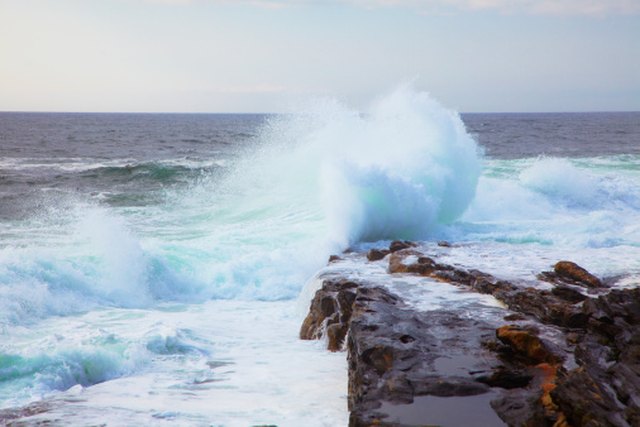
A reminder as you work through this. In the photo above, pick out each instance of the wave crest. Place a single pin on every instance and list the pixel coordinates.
(398, 171)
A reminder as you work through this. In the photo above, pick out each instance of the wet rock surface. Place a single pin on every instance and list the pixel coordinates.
(572, 272)
(554, 357)
(14, 417)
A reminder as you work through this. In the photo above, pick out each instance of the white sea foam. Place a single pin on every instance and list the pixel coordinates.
(312, 184)
(559, 180)
(395, 172)
(85, 164)
(565, 203)
(239, 363)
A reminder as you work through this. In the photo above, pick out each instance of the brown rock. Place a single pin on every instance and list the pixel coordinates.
(377, 254)
(422, 265)
(527, 344)
(379, 357)
(336, 333)
(330, 313)
(573, 272)
(396, 353)
(398, 245)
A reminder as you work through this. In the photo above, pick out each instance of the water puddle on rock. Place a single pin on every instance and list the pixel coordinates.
(458, 365)
(444, 412)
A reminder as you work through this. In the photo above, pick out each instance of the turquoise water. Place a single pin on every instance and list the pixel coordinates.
(136, 249)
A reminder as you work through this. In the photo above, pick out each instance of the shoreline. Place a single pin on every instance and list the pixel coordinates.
(430, 341)
(557, 354)
(251, 370)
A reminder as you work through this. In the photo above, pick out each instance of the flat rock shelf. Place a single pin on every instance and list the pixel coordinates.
(430, 344)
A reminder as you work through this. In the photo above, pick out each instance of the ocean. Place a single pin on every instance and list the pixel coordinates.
(152, 266)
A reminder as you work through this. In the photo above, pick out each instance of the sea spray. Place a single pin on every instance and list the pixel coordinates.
(564, 203)
(319, 181)
(120, 267)
(142, 284)
(397, 171)
(309, 184)
(81, 256)
(560, 180)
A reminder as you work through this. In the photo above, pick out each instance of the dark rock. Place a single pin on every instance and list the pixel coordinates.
(587, 402)
(507, 379)
(398, 245)
(568, 294)
(334, 258)
(444, 244)
(392, 354)
(377, 254)
(590, 377)
(543, 305)
(604, 390)
(379, 358)
(520, 408)
(330, 313)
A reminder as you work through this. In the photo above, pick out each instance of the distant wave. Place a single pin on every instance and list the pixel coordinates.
(584, 202)
(78, 164)
(163, 171)
(78, 171)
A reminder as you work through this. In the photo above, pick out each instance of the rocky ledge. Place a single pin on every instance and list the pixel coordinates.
(565, 354)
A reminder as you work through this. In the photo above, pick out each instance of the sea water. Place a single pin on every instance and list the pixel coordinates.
(151, 264)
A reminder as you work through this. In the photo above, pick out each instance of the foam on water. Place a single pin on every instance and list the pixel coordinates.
(396, 172)
(237, 363)
(325, 179)
(311, 184)
(573, 204)
(254, 226)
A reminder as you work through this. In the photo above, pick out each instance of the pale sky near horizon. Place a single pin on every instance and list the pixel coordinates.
(267, 55)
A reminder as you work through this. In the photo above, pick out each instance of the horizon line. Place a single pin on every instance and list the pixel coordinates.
(283, 113)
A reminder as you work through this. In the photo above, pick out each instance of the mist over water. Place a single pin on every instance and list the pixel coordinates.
(308, 185)
(123, 236)
(396, 171)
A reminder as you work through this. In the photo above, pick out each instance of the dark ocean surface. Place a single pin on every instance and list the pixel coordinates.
(139, 250)
(126, 157)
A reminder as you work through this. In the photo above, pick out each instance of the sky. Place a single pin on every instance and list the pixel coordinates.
(271, 55)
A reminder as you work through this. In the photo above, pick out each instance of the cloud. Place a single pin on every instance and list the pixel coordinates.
(266, 4)
(248, 89)
(535, 7)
